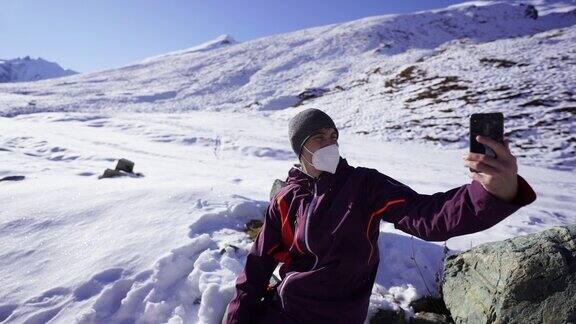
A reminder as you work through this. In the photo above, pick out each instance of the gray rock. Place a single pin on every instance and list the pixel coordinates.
(388, 316)
(526, 279)
(109, 173)
(429, 318)
(531, 12)
(311, 93)
(429, 304)
(276, 186)
(13, 178)
(125, 165)
(123, 168)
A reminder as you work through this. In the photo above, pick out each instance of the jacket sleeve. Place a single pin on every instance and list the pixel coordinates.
(252, 282)
(463, 210)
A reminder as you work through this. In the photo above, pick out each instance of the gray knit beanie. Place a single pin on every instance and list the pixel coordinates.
(304, 124)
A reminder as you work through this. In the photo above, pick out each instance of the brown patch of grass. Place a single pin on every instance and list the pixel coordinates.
(508, 97)
(500, 63)
(433, 92)
(539, 102)
(408, 74)
(570, 110)
(252, 228)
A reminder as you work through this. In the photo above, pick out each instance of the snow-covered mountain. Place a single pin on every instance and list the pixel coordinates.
(218, 42)
(28, 69)
(207, 126)
(414, 77)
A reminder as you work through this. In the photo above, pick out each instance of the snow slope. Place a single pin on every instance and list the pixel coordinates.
(414, 77)
(210, 136)
(27, 69)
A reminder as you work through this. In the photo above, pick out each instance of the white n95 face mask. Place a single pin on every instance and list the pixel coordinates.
(326, 158)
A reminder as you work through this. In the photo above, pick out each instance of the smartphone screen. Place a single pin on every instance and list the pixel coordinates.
(489, 125)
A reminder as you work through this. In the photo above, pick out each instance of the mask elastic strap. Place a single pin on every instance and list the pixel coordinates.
(306, 159)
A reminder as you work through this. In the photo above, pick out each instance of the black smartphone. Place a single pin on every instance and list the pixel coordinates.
(489, 125)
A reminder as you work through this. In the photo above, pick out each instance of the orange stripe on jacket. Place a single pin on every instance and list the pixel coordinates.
(280, 251)
(272, 249)
(287, 235)
(374, 214)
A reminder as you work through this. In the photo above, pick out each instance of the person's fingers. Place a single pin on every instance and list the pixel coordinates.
(495, 163)
(507, 144)
(480, 177)
(497, 147)
(481, 167)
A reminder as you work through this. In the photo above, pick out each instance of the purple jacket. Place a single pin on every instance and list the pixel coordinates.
(325, 231)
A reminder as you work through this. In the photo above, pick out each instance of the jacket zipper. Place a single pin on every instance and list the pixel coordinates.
(281, 290)
(307, 224)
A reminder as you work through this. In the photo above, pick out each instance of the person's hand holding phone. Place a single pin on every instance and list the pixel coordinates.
(497, 175)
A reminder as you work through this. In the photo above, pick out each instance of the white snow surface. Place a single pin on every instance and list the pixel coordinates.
(28, 69)
(207, 127)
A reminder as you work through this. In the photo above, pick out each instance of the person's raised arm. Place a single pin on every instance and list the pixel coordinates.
(463, 210)
(442, 215)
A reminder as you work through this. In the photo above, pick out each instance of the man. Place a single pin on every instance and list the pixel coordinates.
(323, 226)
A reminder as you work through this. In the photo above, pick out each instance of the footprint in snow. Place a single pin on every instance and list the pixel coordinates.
(95, 285)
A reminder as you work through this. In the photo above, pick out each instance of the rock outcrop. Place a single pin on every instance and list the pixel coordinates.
(526, 279)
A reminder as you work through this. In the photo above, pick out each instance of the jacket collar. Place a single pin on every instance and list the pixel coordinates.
(297, 176)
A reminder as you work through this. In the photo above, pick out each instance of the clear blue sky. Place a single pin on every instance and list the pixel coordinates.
(93, 35)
